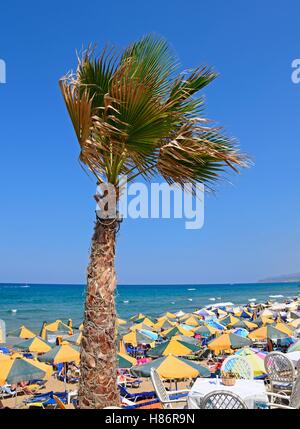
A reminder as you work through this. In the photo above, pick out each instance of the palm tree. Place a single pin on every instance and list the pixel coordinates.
(134, 115)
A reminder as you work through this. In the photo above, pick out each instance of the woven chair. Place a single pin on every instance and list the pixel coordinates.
(285, 401)
(165, 396)
(223, 400)
(239, 366)
(281, 372)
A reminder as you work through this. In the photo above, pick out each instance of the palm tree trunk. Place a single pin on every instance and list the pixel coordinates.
(98, 368)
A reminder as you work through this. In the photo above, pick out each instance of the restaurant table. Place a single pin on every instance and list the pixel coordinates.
(294, 357)
(252, 392)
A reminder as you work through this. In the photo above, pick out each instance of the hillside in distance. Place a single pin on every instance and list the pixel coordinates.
(286, 278)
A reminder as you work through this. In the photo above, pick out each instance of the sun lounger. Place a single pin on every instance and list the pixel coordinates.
(147, 404)
(130, 381)
(135, 397)
(47, 399)
(6, 392)
(30, 389)
(59, 402)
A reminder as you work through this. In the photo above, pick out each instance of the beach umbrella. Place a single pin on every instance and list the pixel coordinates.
(12, 341)
(34, 345)
(228, 342)
(16, 370)
(167, 316)
(228, 320)
(170, 315)
(145, 321)
(58, 327)
(241, 331)
(122, 348)
(125, 361)
(219, 312)
(267, 313)
(268, 331)
(244, 314)
(185, 339)
(138, 316)
(215, 324)
(205, 313)
(294, 347)
(176, 330)
(173, 347)
(171, 368)
(284, 328)
(206, 331)
(163, 324)
(24, 333)
(192, 321)
(244, 324)
(74, 339)
(150, 334)
(136, 337)
(255, 359)
(295, 323)
(185, 316)
(140, 326)
(179, 313)
(295, 315)
(187, 327)
(63, 353)
(235, 309)
(48, 369)
(4, 357)
(263, 321)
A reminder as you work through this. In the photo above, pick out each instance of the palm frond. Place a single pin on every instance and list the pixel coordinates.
(133, 115)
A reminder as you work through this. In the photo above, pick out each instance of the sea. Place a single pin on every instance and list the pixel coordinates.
(32, 304)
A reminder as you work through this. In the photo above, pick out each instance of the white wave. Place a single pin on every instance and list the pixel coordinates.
(252, 299)
(276, 296)
(172, 302)
(126, 302)
(13, 310)
(212, 299)
(219, 297)
(190, 299)
(221, 304)
(192, 288)
(25, 286)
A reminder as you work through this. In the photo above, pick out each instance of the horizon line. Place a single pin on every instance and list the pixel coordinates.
(152, 284)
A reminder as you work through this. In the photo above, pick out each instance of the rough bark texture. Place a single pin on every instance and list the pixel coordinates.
(98, 368)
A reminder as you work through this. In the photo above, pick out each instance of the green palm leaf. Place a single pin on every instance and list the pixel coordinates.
(134, 115)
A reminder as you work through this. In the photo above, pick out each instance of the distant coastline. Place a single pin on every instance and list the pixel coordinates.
(288, 278)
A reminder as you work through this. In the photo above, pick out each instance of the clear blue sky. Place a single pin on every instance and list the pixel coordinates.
(47, 210)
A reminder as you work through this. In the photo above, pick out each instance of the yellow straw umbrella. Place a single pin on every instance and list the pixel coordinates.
(63, 353)
(25, 333)
(34, 345)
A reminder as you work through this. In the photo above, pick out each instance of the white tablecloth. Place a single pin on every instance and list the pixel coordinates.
(250, 391)
(294, 356)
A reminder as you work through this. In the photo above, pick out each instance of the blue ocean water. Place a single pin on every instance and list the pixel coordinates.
(32, 304)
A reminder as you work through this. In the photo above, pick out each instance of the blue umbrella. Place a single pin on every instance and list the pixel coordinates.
(241, 331)
(152, 335)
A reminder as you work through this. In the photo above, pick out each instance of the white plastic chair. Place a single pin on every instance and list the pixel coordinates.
(164, 395)
(239, 366)
(220, 399)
